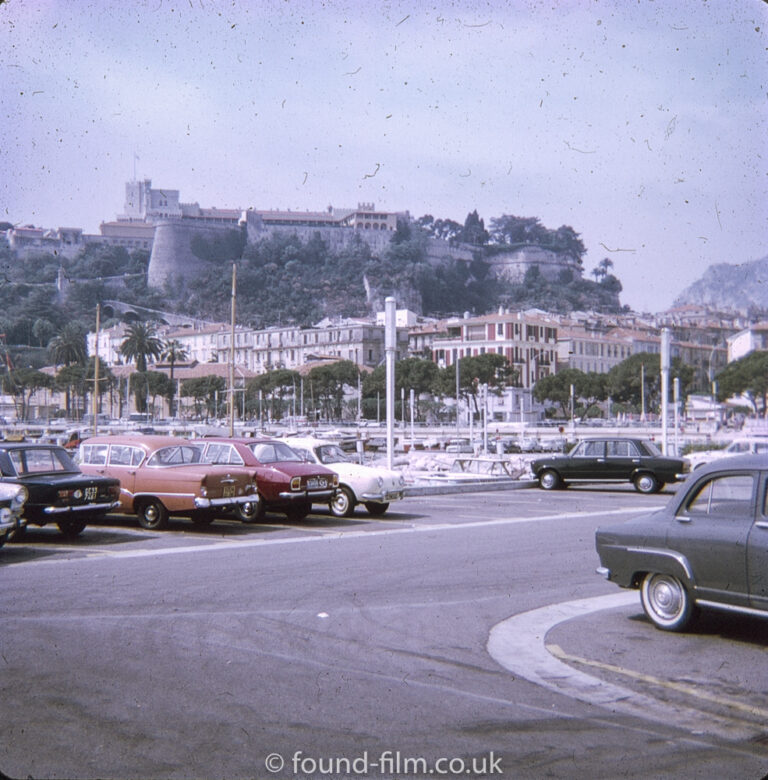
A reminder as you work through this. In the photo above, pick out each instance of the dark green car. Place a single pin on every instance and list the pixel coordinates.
(707, 548)
(611, 459)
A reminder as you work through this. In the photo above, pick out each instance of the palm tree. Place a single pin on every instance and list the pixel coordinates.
(69, 346)
(174, 352)
(67, 349)
(140, 343)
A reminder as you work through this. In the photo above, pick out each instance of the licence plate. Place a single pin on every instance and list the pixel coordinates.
(229, 491)
(315, 483)
(91, 493)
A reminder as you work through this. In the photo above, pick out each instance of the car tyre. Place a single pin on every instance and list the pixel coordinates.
(250, 512)
(152, 515)
(343, 503)
(647, 483)
(72, 528)
(667, 602)
(376, 508)
(549, 479)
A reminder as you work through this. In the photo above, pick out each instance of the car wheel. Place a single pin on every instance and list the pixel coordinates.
(71, 528)
(376, 508)
(647, 483)
(298, 512)
(343, 503)
(250, 512)
(666, 602)
(152, 515)
(549, 479)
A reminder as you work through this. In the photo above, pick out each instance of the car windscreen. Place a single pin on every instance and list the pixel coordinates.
(274, 452)
(176, 455)
(332, 453)
(41, 460)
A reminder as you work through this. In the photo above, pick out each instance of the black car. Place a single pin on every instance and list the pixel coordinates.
(611, 459)
(58, 491)
(707, 548)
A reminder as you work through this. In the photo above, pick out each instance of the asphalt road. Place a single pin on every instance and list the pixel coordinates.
(460, 635)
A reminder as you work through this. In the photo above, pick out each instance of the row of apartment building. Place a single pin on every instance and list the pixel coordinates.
(534, 342)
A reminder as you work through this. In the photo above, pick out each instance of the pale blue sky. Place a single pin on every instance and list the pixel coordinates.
(642, 125)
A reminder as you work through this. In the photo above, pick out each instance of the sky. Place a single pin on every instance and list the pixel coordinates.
(641, 124)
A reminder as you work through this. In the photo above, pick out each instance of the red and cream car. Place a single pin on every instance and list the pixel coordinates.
(286, 482)
(165, 475)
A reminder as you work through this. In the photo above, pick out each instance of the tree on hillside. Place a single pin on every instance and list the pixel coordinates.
(474, 231)
(69, 346)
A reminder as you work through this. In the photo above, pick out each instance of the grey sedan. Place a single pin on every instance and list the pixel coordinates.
(707, 548)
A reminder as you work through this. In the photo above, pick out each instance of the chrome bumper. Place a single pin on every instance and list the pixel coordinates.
(12, 524)
(384, 495)
(318, 496)
(59, 510)
(603, 572)
(208, 503)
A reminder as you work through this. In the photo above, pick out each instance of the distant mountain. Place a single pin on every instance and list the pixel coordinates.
(741, 287)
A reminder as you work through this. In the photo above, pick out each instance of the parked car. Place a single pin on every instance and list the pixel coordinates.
(371, 486)
(611, 459)
(707, 548)
(58, 490)
(741, 446)
(12, 498)
(286, 483)
(162, 476)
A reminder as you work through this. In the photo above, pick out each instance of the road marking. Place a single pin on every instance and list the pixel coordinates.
(518, 644)
(329, 535)
(689, 690)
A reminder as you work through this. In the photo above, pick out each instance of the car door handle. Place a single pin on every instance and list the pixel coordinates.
(683, 519)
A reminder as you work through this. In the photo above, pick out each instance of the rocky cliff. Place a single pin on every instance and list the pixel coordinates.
(740, 287)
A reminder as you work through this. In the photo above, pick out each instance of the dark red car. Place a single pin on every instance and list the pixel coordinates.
(285, 481)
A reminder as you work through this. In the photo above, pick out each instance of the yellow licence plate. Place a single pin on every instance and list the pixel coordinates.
(229, 491)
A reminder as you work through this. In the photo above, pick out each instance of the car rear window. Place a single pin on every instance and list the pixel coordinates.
(222, 453)
(41, 461)
(176, 455)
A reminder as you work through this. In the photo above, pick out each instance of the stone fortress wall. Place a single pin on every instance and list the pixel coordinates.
(173, 224)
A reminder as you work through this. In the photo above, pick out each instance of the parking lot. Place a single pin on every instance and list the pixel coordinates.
(454, 626)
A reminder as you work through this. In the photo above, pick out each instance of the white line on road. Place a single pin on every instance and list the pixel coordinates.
(329, 535)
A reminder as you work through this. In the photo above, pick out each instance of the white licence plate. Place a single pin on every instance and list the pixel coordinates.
(315, 483)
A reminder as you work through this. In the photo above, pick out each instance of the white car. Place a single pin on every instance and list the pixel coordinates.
(742, 446)
(373, 487)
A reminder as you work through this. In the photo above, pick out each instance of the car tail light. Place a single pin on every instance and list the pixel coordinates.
(296, 483)
(203, 491)
(65, 493)
(114, 492)
(335, 480)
